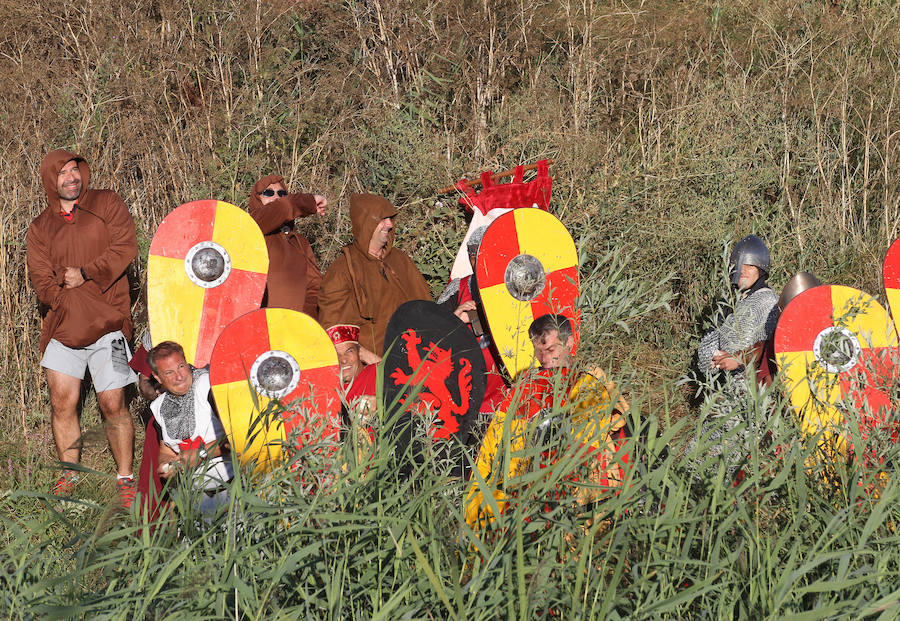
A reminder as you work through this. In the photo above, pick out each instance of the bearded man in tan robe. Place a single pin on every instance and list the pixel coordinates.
(78, 251)
(370, 279)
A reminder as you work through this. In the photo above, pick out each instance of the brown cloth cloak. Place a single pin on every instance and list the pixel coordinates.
(100, 239)
(294, 277)
(361, 290)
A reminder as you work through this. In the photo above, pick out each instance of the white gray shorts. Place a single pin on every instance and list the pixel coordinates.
(107, 360)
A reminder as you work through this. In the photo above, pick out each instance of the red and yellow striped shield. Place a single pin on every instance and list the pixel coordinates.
(207, 266)
(890, 272)
(527, 267)
(834, 343)
(275, 353)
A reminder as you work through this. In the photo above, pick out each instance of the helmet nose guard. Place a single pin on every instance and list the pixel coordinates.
(749, 251)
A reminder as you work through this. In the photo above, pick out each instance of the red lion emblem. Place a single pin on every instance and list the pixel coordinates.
(433, 373)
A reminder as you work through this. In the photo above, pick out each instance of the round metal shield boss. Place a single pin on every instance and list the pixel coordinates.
(525, 277)
(207, 264)
(275, 373)
(836, 349)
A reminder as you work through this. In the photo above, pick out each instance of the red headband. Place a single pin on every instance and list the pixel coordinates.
(344, 333)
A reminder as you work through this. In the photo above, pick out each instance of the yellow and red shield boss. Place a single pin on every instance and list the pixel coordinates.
(890, 273)
(275, 353)
(527, 267)
(207, 266)
(835, 343)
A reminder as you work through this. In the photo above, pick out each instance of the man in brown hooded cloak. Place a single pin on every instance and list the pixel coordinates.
(294, 277)
(78, 250)
(370, 278)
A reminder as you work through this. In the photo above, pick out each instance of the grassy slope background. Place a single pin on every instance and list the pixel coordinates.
(676, 128)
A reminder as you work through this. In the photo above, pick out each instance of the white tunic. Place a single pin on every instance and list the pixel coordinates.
(207, 428)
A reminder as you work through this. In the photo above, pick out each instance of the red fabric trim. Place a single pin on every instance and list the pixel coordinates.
(189, 444)
(344, 333)
(509, 195)
(138, 362)
(70, 215)
(149, 483)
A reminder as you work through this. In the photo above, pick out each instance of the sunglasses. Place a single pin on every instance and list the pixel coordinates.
(269, 192)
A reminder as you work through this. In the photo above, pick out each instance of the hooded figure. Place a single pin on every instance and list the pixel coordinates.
(362, 289)
(78, 250)
(294, 277)
(97, 236)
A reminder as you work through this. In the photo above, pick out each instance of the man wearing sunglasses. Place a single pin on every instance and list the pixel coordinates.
(294, 277)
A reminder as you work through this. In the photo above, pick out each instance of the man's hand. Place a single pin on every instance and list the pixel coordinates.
(368, 405)
(168, 468)
(189, 458)
(461, 311)
(725, 361)
(321, 202)
(73, 278)
(147, 389)
(368, 356)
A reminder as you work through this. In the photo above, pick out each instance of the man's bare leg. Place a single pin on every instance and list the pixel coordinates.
(64, 393)
(119, 428)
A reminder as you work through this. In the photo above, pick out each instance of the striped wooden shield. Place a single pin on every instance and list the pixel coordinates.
(834, 344)
(207, 266)
(275, 353)
(527, 267)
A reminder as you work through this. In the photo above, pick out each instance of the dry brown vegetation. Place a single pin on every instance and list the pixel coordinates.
(676, 127)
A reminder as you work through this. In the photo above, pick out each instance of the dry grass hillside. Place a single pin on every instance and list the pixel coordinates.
(676, 128)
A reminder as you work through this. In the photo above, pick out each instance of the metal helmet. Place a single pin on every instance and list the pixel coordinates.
(749, 251)
(799, 282)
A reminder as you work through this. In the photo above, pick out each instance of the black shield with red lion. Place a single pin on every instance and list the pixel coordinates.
(434, 374)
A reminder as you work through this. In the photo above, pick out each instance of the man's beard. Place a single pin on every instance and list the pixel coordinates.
(70, 196)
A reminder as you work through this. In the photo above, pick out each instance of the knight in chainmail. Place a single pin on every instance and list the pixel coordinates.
(192, 436)
(730, 346)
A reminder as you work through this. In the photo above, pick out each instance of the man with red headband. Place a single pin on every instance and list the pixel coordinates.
(294, 277)
(357, 379)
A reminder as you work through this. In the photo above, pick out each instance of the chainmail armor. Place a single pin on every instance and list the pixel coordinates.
(449, 291)
(753, 320)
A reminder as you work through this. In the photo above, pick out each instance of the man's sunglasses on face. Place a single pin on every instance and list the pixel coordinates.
(269, 192)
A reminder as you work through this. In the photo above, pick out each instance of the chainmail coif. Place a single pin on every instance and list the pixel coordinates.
(178, 412)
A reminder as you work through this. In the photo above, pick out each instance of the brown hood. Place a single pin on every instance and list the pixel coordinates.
(259, 186)
(50, 167)
(366, 211)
